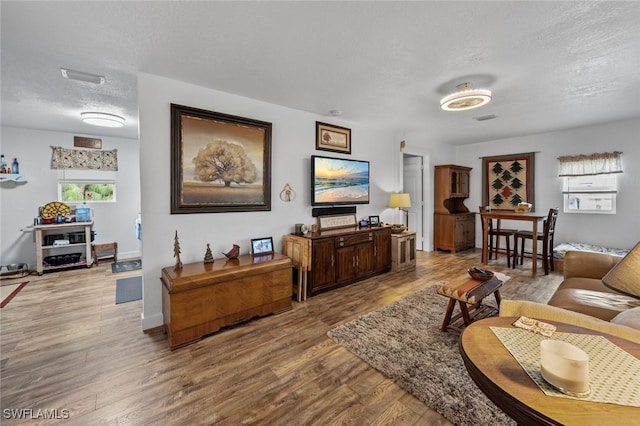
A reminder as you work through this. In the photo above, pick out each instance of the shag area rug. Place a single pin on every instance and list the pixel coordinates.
(404, 342)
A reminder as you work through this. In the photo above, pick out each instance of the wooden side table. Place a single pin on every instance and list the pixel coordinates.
(403, 251)
(299, 250)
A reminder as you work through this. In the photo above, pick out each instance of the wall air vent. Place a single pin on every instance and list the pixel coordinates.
(82, 76)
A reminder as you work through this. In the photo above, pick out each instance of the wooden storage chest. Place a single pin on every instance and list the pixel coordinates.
(203, 297)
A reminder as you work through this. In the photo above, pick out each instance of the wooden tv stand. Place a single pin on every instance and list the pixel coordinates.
(203, 297)
(338, 257)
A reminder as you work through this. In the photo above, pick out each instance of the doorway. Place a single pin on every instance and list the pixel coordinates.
(413, 183)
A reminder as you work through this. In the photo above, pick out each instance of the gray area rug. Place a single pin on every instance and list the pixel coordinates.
(128, 289)
(403, 341)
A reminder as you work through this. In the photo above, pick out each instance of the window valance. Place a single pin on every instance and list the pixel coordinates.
(591, 164)
(64, 158)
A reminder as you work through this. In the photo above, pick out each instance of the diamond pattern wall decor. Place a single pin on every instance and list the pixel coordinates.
(507, 180)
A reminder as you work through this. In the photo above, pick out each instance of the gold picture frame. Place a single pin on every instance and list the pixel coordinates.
(219, 162)
(333, 138)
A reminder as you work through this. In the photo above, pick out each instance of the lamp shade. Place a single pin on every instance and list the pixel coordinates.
(399, 200)
(625, 276)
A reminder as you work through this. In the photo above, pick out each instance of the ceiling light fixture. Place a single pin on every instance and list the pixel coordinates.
(335, 113)
(82, 76)
(465, 98)
(102, 119)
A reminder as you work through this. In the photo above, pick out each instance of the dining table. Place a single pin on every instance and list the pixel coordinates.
(534, 218)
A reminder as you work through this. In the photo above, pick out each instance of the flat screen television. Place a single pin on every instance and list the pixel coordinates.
(339, 181)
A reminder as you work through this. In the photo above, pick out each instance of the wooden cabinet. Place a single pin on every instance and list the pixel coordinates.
(63, 256)
(455, 232)
(381, 251)
(202, 297)
(454, 225)
(341, 257)
(451, 188)
(403, 251)
(354, 255)
(323, 265)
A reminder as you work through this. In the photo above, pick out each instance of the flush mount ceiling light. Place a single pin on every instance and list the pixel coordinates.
(102, 119)
(465, 98)
(82, 76)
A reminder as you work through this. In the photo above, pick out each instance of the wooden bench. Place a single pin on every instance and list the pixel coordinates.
(104, 251)
(469, 294)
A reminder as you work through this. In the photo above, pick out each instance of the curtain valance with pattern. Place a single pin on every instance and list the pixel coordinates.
(64, 158)
(591, 164)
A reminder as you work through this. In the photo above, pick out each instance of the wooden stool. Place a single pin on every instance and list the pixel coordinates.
(104, 251)
(469, 293)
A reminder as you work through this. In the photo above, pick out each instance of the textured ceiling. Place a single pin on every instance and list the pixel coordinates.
(550, 65)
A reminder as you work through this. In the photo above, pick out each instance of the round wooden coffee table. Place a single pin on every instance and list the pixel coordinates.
(505, 382)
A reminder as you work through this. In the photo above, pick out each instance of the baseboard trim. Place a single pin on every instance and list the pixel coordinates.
(151, 321)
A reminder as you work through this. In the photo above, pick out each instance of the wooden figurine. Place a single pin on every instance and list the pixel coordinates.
(208, 256)
(234, 252)
(176, 251)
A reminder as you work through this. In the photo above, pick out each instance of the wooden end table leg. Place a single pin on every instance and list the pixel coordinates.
(498, 297)
(447, 315)
(465, 313)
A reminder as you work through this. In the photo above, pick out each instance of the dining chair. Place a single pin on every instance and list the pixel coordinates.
(494, 233)
(546, 236)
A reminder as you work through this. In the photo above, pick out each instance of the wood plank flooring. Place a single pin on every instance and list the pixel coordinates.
(69, 349)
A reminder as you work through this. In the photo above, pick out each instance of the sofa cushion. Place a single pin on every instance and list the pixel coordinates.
(592, 284)
(630, 318)
(599, 304)
(516, 308)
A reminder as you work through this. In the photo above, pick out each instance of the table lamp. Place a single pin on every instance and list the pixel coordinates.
(401, 200)
(625, 276)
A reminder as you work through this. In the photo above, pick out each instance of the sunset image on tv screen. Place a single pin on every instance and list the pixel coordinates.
(340, 181)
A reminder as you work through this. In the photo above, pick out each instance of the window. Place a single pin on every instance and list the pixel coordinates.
(590, 182)
(590, 194)
(87, 191)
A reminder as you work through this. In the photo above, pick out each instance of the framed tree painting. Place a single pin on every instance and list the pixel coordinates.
(507, 180)
(219, 162)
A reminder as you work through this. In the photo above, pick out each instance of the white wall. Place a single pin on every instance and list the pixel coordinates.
(621, 230)
(20, 202)
(293, 142)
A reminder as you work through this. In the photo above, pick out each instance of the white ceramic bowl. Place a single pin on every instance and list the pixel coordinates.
(565, 367)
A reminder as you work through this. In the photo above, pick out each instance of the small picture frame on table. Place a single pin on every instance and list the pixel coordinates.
(374, 220)
(262, 246)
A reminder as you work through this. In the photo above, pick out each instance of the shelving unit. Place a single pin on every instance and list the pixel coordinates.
(40, 231)
(6, 177)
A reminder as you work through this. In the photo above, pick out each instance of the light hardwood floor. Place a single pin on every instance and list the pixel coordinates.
(67, 346)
